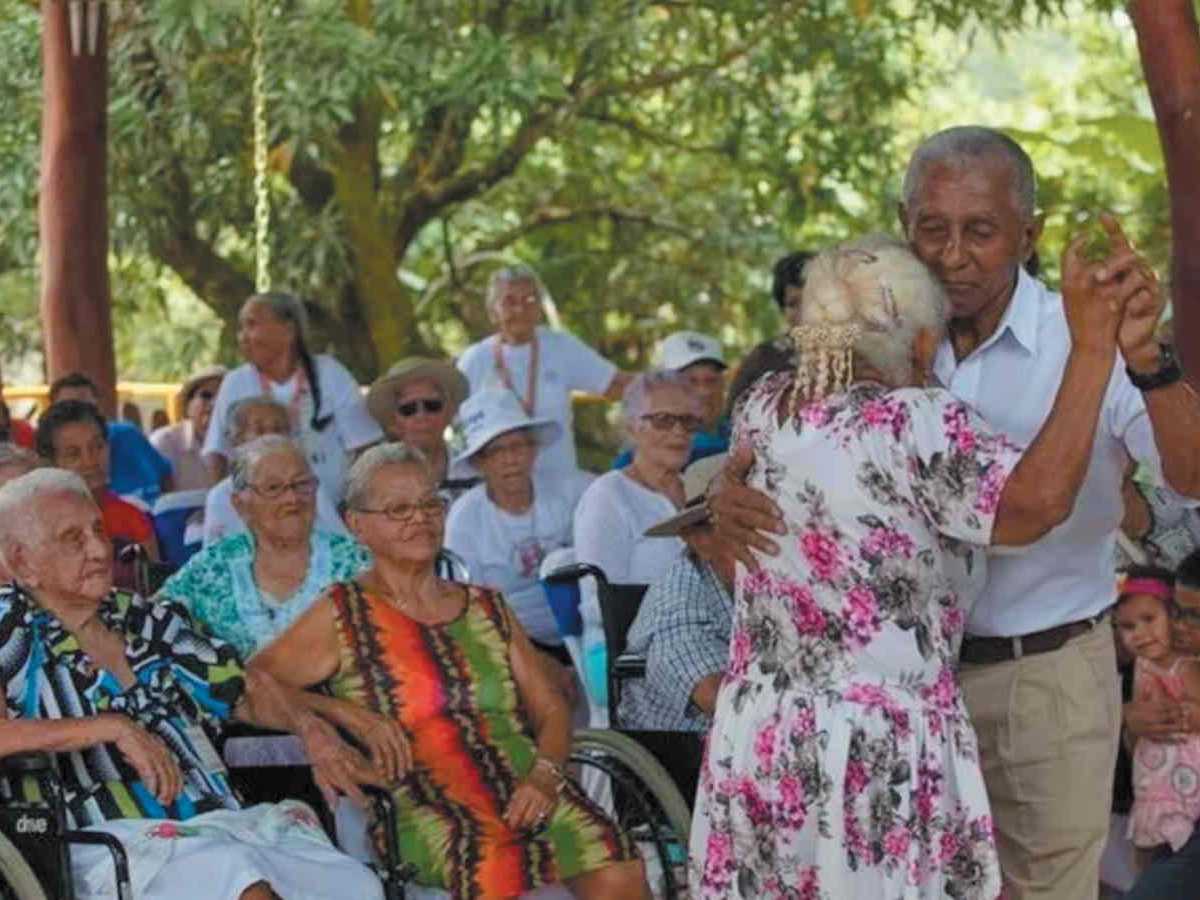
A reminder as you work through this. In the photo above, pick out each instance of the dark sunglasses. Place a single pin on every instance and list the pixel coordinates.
(427, 406)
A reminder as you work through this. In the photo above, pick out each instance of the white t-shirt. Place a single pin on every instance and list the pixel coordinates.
(222, 520)
(352, 426)
(565, 364)
(504, 551)
(610, 523)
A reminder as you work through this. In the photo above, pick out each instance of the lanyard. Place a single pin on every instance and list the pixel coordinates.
(529, 401)
(296, 402)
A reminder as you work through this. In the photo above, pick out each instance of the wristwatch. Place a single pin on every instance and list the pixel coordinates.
(1168, 371)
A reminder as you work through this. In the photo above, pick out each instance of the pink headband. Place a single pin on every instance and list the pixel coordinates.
(1150, 586)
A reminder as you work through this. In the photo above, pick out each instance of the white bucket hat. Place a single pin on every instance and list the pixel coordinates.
(490, 413)
(684, 348)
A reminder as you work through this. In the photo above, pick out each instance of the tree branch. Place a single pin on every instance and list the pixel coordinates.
(549, 216)
(640, 131)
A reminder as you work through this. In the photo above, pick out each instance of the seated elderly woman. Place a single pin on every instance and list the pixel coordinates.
(660, 416)
(247, 588)
(181, 443)
(250, 418)
(485, 809)
(415, 402)
(504, 528)
(73, 435)
(127, 696)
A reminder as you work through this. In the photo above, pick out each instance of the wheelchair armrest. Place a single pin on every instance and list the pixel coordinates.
(575, 572)
(116, 848)
(629, 665)
(33, 762)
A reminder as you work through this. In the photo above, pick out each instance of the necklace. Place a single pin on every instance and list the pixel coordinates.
(529, 401)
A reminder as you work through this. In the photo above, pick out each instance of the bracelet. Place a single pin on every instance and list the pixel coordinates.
(547, 764)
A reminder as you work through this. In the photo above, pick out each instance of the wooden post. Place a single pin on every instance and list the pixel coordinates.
(1169, 45)
(76, 303)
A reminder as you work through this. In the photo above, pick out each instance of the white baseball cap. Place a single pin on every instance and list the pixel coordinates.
(490, 413)
(683, 348)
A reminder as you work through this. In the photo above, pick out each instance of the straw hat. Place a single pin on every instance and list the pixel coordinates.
(490, 413)
(696, 478)
(381, 398)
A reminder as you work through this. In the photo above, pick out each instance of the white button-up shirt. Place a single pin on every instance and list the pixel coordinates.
(1012, 380)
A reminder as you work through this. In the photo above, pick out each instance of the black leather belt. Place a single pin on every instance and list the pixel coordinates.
(983, 650)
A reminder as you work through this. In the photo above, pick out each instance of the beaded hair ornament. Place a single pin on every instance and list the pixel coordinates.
(853, 293)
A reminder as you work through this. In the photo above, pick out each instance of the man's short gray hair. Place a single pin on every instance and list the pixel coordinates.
(21, 521)
(966, 144)
(247, 457)
(358, 482)
(238, 410)
(637, 395)
(501, 278)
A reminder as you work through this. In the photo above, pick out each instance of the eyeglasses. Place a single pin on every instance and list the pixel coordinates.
(407, 513)
(302, 487)
(428, 405)
(664, 421)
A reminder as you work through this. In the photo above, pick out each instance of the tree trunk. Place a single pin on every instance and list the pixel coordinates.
(76, 303)
(1169, 45)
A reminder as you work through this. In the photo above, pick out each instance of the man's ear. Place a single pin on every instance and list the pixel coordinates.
(1032, 233)
(924, 349)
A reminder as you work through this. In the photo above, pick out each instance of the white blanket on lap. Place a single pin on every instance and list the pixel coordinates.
(217, 855)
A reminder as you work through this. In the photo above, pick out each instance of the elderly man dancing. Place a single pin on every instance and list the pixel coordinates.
(1038, 670)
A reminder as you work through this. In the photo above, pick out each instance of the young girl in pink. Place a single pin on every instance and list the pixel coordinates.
(1166, 773)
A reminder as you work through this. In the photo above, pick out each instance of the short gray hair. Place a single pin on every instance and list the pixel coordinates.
(18, 501)
(637, 395)
(512, 275)
(969, 144)
(373, 459)
(236, 422)
(247, 457)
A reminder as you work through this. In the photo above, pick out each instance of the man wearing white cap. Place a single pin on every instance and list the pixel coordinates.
(504, 527)
(700, 358)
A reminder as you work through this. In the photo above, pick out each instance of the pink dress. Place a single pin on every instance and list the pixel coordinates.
(1166, 776)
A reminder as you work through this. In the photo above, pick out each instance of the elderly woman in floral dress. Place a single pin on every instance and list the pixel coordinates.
(842, 763)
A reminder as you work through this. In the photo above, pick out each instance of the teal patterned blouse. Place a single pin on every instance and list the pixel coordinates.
(217, 586)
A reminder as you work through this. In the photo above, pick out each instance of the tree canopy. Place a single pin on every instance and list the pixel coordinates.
(650, 159)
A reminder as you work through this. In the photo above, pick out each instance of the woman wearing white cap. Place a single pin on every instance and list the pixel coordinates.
(538, 366)
(504, 527)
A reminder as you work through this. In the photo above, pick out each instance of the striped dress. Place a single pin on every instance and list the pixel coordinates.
(186, 685)
(451, 687)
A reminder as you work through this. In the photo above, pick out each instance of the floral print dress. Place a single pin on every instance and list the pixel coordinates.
(841, 763)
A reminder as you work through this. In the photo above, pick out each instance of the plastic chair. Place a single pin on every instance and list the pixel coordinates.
(174, 517)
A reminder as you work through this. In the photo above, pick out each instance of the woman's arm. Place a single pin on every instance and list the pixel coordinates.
(305, 654)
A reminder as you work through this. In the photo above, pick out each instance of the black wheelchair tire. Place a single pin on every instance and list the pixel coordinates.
(633, 767)
(17, 881)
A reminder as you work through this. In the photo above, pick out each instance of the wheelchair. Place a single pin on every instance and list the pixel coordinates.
(659, 768)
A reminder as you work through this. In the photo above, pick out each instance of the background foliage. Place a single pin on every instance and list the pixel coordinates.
(651, 159)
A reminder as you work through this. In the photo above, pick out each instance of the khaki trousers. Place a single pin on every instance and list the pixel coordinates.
(1048, 728)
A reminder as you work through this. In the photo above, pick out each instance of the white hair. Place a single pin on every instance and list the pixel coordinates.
(967, 145)
(637, 394)
(247, 457)
(20, 519)
(867, 298)
(238, 410)
(512, 275)
(397, 453)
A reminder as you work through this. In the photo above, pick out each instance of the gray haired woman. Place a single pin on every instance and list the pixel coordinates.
(538, 365)
(249, 586)
(326, 411)
(251, 418)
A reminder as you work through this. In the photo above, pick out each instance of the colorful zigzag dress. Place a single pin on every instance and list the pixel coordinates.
(451, 687)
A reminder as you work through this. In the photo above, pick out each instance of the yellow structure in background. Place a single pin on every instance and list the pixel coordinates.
(148, 396)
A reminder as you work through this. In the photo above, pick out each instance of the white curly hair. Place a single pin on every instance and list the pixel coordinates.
(866, 299)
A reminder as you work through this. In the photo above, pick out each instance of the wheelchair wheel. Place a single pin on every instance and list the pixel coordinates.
(647, 804)
(17, 881)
